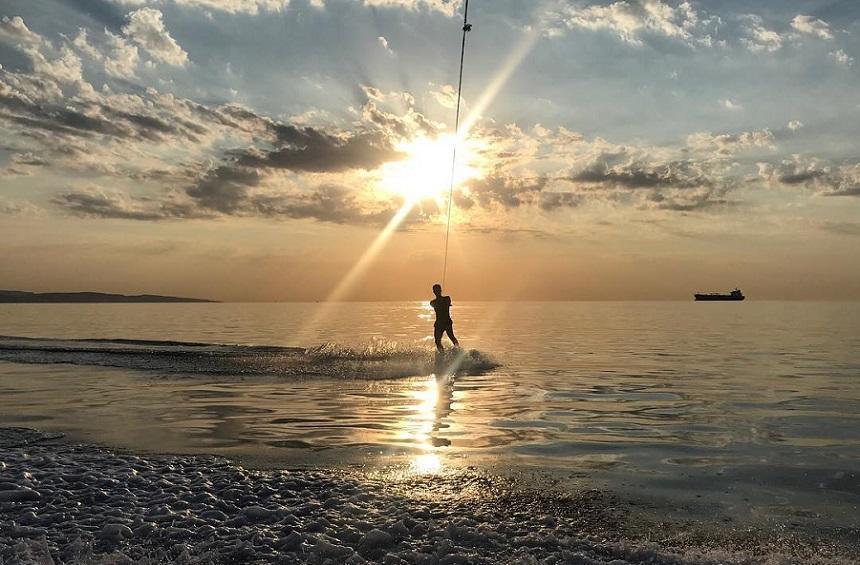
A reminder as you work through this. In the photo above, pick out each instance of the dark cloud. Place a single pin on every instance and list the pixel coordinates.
(549, 201)
(801, 177)
(502, 190)
(310, 150)
(849, 191)
(87, 120)
(225, 188)
(29, 160)
(96, 204)
(635, 175)
(226, 193)
(329, 203)
(823, 177)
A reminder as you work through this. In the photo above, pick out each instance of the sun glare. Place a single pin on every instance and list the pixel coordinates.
(426, 172)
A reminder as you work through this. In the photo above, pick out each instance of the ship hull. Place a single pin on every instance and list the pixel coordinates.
(717, 298)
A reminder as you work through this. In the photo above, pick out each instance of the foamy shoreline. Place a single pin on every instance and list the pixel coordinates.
(65, 503)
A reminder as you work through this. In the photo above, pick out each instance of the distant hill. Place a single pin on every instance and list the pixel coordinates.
(16, 296)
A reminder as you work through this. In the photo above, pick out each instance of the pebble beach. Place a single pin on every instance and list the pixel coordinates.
(72, 503)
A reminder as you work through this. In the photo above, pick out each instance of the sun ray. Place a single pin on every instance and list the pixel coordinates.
(511, 64)
(357, 271)
(426, 173)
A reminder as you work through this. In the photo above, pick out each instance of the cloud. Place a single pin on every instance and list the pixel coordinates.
(730, 104)
(15, 29)
(17, 207)
(384, 44)
(225, 188)
(123, 58)
(64, 69)
(146, 28)
(842, 57)
(795, 125)
(637, 174)
(817, 175)
(651, 177)
(37, 107)
(758, 37)
(97, 203)
(83, 45)
(311, 150)
(327, 203)
(447, 7)
(633, 20)
(445, 95)
(501, 189)
(725, 144)
(252, 7)
(23, 164)
(812, 26)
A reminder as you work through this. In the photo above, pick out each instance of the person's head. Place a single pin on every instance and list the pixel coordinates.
(437, 289)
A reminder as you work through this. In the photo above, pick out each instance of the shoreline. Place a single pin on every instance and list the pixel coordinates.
(65, 502)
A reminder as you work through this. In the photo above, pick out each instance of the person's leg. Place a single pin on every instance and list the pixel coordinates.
(450, 331)
(437, 336)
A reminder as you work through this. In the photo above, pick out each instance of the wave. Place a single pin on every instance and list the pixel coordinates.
(378, 359)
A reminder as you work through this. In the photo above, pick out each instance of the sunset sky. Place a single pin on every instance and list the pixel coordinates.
(256, 149)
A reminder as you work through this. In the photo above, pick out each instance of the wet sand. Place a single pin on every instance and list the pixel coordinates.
(74, 503)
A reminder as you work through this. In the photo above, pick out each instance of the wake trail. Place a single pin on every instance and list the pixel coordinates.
(378, 359)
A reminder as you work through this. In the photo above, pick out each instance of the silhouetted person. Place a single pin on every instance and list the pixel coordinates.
(444, 324)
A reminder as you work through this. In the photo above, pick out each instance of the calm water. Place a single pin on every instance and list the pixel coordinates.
(752, 408)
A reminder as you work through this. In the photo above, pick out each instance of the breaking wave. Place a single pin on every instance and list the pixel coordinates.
(377, 359)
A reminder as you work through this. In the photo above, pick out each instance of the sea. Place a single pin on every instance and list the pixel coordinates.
(742, 412)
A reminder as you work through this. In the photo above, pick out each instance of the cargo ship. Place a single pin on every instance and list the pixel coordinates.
(736, 294)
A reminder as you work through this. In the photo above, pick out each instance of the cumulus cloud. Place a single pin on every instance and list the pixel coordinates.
(16, 30)
(842, 57)
(730, 104)
(817, 175)
(447, 7)
(83, 45)
(503, 190)
(812, 26)
(146, 28)
(64, 69)
(604, 171)
(795, 125)
(760, 38)
(631, 20)
(196, 161)
(123, 58)
(384, 44)
(252, 7)
(445, 95)
(729, 144)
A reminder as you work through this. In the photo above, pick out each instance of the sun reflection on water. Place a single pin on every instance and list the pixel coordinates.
(434, 397)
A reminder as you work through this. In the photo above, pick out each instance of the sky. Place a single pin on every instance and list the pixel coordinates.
(300, 150)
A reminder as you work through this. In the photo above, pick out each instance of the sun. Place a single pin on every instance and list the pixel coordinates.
(426, 171)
